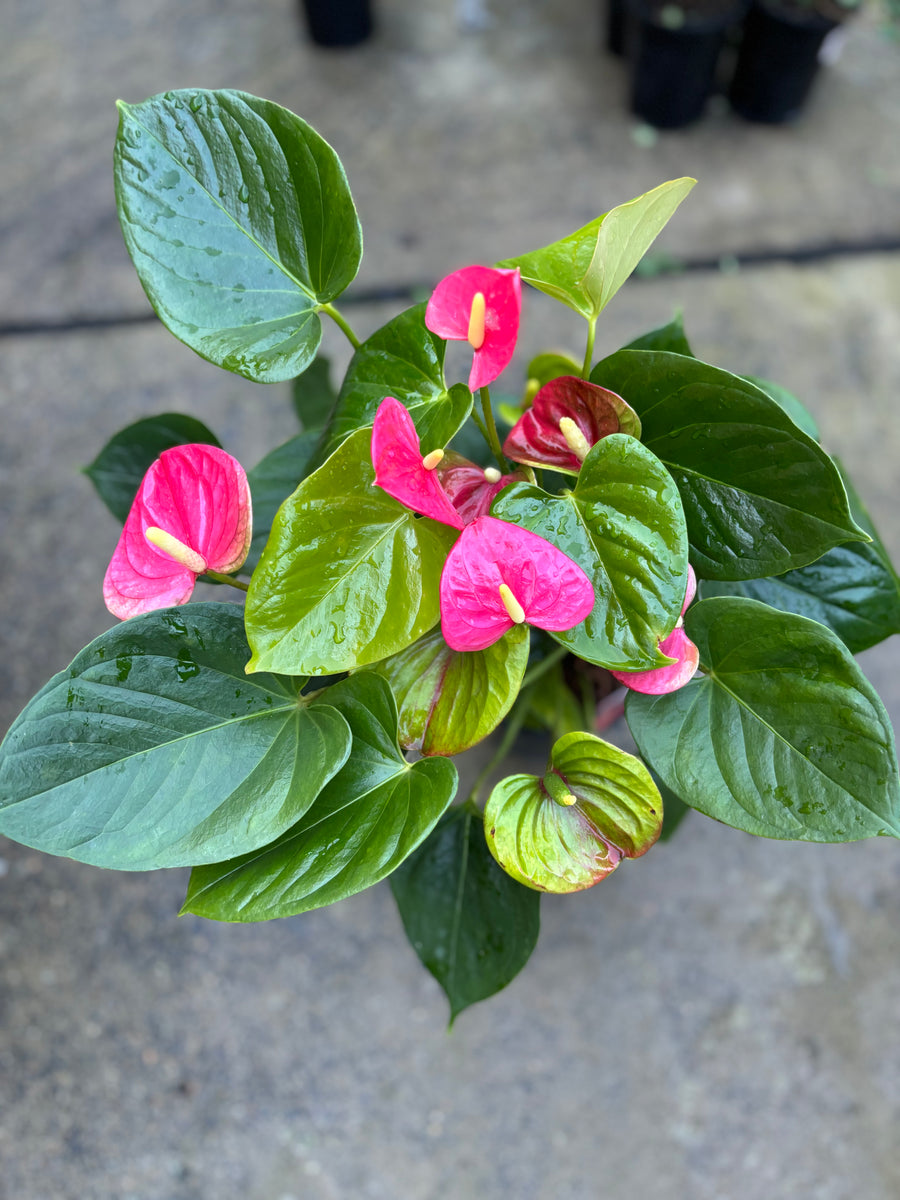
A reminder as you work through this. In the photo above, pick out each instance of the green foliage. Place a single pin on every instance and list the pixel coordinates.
(472, 925)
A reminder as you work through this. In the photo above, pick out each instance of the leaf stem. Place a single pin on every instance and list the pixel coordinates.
(544, 665)
(492, 435)
(229, 579)
(341, 323)
(589, 352)
(510, 733)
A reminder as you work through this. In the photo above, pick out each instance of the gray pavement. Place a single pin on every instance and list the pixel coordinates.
(716, 1022)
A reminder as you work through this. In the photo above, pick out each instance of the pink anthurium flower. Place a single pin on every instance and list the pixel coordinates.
(400, 468)
(499, 575)
(567, 417)
(472, 488)
(678, 646)
(479, 305)
(191, 514)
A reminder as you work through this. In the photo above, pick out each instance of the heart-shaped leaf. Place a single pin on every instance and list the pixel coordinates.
(123, 462)
(798, 412)
(760, 497)
(348, 576)
(376, 811)
(403, 360)
(587, 268)
(471, 925)
(272, 480)
(624, 527)
(782, 736)
(449, 700)
(240, 223)
(666, 337)
(153, 749)
(594, 806)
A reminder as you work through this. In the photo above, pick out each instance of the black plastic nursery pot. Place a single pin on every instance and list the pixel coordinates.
(777, 62)
(338, 22)
(615, 27)
(673, 70)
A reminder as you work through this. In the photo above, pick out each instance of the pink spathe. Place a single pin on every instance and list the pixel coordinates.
(551, 590)
(537, 439)
(399, 470)
(198, 495)
(449, 315)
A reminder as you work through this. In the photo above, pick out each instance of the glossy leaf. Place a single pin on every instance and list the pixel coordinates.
(852, 589)
(567, 830)
(372, 815)
(348, 576)
(471, 925)
(153, 749)
(403, 360)
(312, 396)
(123, 462)
(240, 223)
(624, 527)
(799, 414)
(272, 480)
(760, 497)
(449, 700)
(587, 268)
(666, 337)
(783, 736)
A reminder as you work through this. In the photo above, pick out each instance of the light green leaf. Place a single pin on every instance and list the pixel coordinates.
(348, 576)
(153, 749)
(587, 268)
(240, 223)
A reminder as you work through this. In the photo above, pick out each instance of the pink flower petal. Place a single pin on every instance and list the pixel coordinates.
(665, 679)
(399, 470)
(450, 308)
(200, 496)
(552, 591)
(691, 590)
(470, 488)
(536, 438)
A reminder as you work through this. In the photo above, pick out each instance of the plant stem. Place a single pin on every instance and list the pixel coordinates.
(544, 665)
(589, 352)
(232, 582)
(492, 435)
(510, 733)
(341, 323)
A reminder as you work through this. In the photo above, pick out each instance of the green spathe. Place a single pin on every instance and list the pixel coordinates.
(240, 224)
(624, 526)
(348, 576)
(782, 736)
(153, 749)
(379, 809)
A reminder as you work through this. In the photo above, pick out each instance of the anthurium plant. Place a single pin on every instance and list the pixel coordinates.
(421, 566)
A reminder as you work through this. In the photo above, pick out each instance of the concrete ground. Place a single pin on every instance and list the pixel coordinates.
(716, 1022)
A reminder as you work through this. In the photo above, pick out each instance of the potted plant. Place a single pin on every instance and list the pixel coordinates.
(674, 52)
(779, 55)
(411, 579)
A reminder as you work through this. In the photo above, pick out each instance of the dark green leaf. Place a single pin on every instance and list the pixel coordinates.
(123, 462)
(240, 224)
(372, 815)
(471, 925)
(783, 736)
(667, 337)
(404, 360)
(569, 829)
(760, 497)
(348, 576)
(674, 809)
(312, 395)
(587, 268)
(154, 749)
(449, 700)
(271, 481)
(798, 413)
(624, 527)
